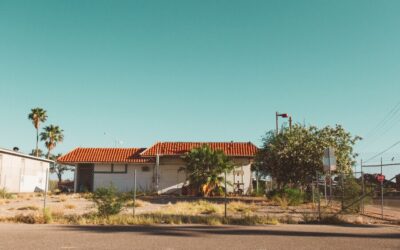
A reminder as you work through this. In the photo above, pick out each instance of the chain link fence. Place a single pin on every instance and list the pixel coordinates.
(369, 195)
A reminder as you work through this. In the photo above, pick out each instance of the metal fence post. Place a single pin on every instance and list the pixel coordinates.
(363, 188)
(319, 199)
(326, 200)
(381, 192)
(45, 189)
(134, 191)
(342, 191)
(225, 193)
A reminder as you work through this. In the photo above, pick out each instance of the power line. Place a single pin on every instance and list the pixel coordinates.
(384, 151)
(384, 121)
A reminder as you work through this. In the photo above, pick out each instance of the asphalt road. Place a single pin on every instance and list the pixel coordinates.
(22, 236)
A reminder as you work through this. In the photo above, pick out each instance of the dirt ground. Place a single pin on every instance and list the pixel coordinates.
(78, 204)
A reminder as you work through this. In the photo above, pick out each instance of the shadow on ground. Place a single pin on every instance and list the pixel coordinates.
(198, 230)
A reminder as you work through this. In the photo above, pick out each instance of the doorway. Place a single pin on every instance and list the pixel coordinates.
(85, 177)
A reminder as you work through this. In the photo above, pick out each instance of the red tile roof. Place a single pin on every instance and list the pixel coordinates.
(104, 155)
(179, 148)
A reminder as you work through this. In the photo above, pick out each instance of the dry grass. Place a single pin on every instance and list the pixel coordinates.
(62, 198)
(281, 201)
(158, 218)
(138, 203)
(193, 208)
(69, 206)
(33, 208)
(241, 207)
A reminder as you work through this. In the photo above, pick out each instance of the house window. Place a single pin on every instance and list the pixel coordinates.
(145, 169)
(111, 169)
(103, 169)
(120, 168)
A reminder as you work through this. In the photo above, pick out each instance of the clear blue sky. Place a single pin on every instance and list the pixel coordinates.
(147, 71)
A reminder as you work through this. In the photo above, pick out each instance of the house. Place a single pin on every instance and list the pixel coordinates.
(157, 167)
(20, 173)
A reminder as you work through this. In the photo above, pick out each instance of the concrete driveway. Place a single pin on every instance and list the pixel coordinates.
(22, 236)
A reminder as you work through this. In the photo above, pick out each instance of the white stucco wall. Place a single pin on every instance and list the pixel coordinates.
(170, 179)
(20, 174)
(123, 181)
(241, 173)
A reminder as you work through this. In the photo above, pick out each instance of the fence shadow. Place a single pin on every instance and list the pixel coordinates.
(197, 231)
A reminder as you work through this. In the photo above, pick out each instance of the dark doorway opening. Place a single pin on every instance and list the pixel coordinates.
(85, 177)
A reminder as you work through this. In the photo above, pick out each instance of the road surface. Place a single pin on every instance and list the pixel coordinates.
(23, 236)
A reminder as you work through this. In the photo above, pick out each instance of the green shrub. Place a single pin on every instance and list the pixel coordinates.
(4, 194)
(288, 196)
(47, 216)
(108, 201)
(352, 194)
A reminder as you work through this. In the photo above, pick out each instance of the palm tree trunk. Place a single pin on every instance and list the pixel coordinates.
(48, 154)
(37, 142)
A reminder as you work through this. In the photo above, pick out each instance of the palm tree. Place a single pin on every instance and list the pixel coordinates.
(59, 169)
(51, 135)
(37, 153)
(37, 116)
(204, 167)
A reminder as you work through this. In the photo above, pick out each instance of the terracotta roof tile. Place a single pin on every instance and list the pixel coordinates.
(106, 155)
(180, 148)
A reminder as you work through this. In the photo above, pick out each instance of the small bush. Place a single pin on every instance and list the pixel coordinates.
(4, 194)
(281, 201)
(47, 217)
(27, 219)
(34, 208)
(352, 193)
(288, 197)
(108, 201)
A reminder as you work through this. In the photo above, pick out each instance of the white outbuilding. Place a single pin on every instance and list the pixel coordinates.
(22, 173)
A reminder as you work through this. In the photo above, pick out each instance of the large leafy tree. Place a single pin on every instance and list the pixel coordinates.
(204, 169)
(51, 135)
(59, 169)
(37, 116)
(293, 156)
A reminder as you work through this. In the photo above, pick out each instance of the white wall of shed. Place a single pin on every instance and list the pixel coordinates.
(19, 174)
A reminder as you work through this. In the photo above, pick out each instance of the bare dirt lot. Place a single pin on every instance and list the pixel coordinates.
(79, 204)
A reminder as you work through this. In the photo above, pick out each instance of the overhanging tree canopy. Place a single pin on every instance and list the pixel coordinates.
(295, 155)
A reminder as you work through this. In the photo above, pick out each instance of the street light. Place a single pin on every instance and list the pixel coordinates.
(283, 115)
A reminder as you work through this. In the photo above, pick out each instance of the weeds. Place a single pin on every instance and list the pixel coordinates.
(69, 206)
(4, 194)
(108, 200)
(158, 218)
(33, 208)
(47, 218)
